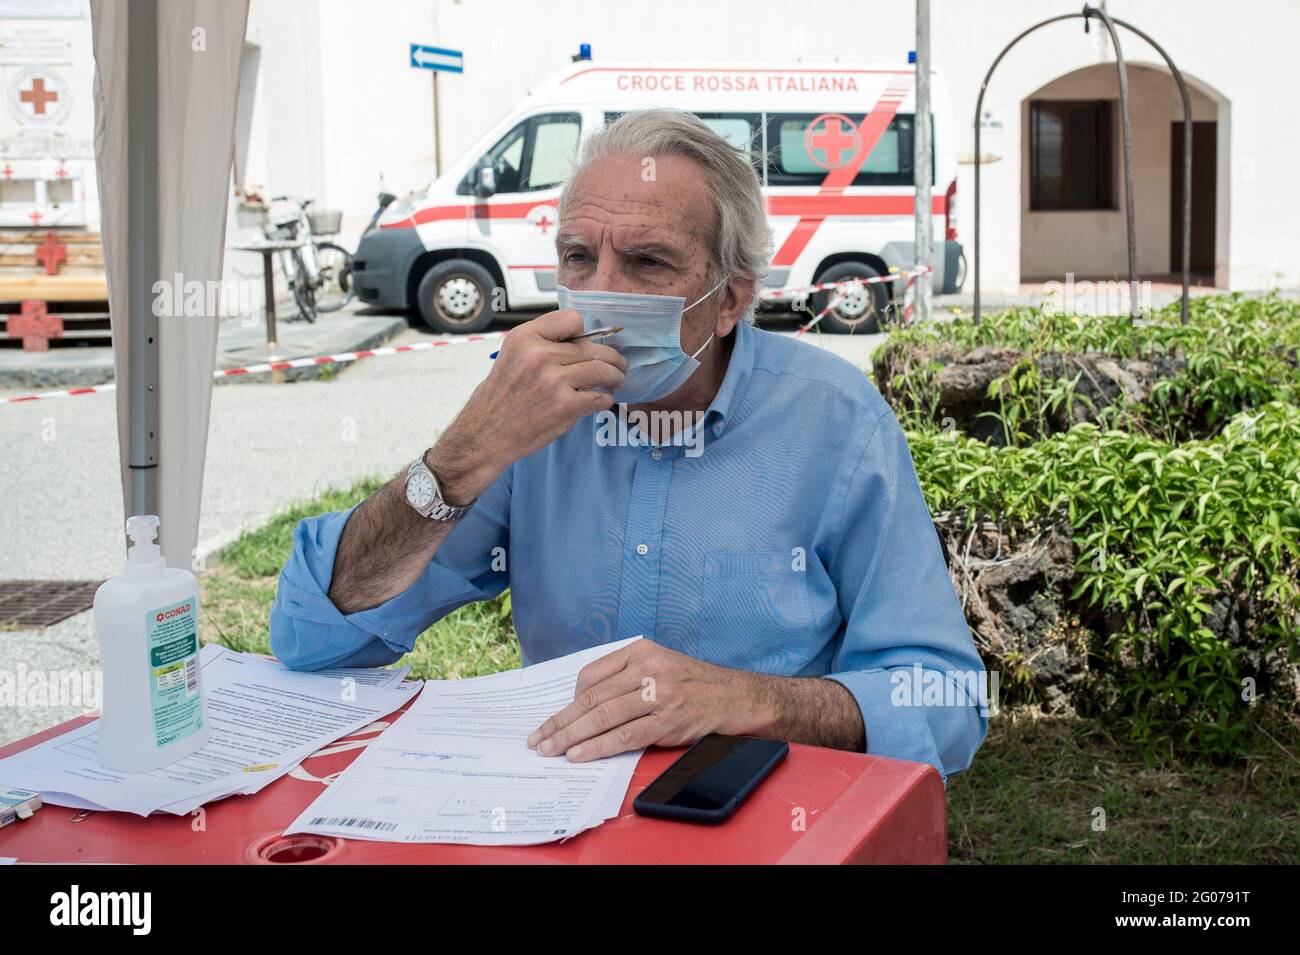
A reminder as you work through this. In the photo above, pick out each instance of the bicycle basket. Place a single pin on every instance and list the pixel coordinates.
(325, 221)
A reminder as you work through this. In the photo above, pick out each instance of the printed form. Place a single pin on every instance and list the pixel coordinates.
(264, 720)
(456, 767)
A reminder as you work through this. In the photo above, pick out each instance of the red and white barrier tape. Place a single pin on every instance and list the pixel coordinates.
(344, 357)
(910, 275)
(769, 294)
(278, 365)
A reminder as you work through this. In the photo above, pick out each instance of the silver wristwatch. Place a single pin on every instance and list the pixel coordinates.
(423, 494)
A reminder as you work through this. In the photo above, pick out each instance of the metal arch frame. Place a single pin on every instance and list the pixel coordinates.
(1122, 71)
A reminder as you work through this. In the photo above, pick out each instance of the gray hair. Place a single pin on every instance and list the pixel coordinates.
(743, 240)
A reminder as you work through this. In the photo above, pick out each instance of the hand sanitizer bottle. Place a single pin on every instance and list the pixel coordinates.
(148, 625)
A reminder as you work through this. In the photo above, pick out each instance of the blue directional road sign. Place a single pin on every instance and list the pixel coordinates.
(435, 58)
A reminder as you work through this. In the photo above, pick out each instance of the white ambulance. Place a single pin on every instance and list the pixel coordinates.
(832, 144)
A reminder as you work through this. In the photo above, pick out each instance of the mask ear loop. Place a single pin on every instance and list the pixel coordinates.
(702, 347)
(697, 302)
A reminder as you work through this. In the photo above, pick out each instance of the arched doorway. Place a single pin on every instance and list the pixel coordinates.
(1072, 187)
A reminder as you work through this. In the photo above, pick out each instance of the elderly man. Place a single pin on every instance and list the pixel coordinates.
(770, 542)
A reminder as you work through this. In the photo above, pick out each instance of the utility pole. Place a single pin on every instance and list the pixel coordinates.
(437, 128)
(923, 163)
(437, 106)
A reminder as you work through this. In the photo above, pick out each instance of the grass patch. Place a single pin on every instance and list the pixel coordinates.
(1034, 789)
(239, 589)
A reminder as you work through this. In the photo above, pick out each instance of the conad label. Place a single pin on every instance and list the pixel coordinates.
(173, 640)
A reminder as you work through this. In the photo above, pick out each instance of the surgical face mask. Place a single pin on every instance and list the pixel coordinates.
(651, 339)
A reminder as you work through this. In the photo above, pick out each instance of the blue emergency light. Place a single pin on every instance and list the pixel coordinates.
(584, 52)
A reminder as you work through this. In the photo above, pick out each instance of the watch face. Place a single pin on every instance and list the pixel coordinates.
(419, 490)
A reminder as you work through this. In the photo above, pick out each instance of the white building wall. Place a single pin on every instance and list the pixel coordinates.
(338, 107)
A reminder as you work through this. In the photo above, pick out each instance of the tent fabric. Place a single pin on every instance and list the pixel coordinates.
(198, 54)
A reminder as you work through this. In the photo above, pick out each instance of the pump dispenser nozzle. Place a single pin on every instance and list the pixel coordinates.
(143, 529)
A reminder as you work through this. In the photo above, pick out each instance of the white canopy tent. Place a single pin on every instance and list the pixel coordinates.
(166, 82)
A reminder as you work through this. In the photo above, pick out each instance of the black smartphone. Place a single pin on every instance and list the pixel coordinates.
(709, 781)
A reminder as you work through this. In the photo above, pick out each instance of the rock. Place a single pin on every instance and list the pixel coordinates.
(962, 381)
(1015, 598)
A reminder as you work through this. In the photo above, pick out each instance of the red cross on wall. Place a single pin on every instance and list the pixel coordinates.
(38, 96)
(52, 254)
(35, 327)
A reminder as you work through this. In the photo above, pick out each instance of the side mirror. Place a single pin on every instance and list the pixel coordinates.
(386, 199)
(486, 184)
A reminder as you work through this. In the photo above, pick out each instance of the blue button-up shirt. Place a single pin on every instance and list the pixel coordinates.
(788, 537)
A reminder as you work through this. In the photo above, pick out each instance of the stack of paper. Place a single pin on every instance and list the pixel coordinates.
(457, 768)
(263, 720)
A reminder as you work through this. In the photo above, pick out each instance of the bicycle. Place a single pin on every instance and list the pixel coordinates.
(319, 273)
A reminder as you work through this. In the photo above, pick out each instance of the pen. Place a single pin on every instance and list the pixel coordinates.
(594, 333)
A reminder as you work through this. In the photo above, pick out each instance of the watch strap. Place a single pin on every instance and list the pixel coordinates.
(437, 509)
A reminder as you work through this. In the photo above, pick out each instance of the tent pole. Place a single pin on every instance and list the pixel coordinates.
(142, 252)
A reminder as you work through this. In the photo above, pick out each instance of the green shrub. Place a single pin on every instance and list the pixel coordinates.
(1188, 550)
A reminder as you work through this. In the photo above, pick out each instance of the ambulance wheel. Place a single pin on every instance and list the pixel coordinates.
(861, 309)
(455, 297)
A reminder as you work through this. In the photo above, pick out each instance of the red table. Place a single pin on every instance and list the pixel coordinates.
(818, 806)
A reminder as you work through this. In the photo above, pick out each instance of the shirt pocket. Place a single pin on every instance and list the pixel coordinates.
(756, 612)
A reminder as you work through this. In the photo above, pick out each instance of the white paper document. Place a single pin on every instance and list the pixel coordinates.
(263, 720)
(456, 767)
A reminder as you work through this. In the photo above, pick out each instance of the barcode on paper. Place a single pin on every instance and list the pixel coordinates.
(354, 822)
(192, 675)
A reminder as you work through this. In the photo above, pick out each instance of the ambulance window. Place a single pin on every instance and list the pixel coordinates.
(552, 150)
(742, 130)
(538, 153)
(796, 159)
(506, 158)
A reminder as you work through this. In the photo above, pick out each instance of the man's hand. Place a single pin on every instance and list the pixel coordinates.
(648, 695)
(645, 694)
(539, 386)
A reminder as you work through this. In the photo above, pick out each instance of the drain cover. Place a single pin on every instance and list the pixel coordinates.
(26, 604)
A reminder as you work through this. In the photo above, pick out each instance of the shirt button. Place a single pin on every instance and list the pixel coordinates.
(642, 549)
(657, 453)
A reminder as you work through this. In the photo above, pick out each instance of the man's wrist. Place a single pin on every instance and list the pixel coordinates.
(811, 710)
(460, 478)
(757, 709)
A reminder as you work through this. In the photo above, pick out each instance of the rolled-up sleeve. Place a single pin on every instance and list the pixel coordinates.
(906, 655)
(309, 633)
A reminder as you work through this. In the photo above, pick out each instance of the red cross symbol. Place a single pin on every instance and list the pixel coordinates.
(61, 173)
(38, 96)
(35, 327)
(35, 216)
(833, 135)
(52, 253)
(8, 171)
(544, 222)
